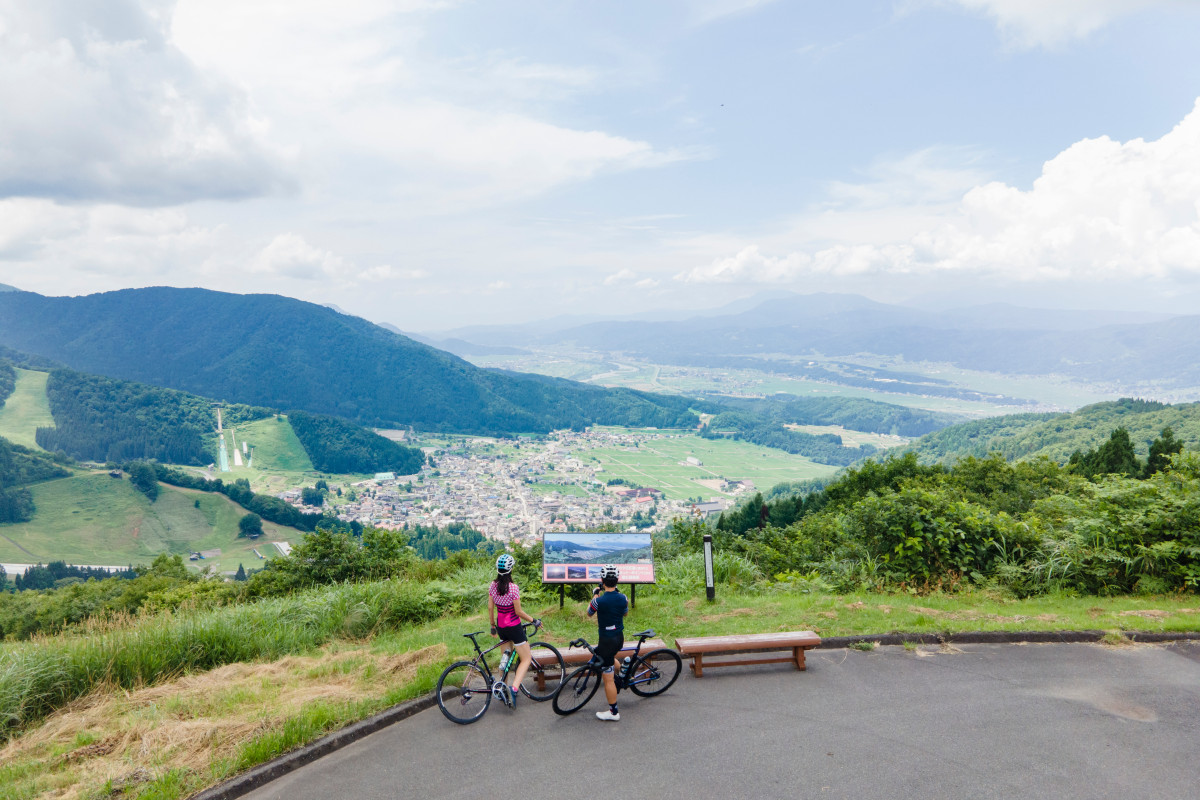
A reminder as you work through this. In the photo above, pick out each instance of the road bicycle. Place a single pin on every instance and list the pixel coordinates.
(646, 675)
(466, 688)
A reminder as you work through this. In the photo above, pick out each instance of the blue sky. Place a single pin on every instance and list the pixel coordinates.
(436, 164)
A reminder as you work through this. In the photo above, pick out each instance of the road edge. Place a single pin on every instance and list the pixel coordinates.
(1005, 637)
(264, 773)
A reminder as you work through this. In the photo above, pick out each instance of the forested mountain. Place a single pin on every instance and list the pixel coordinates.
(334, 445)
(1059, 435)
(101, 419)
(274, 351)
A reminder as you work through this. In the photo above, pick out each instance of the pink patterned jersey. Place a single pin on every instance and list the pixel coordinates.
(506, 614)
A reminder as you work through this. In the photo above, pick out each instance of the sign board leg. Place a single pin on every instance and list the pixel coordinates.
(562, 590)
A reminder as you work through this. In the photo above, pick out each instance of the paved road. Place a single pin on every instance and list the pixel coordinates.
(985, 721)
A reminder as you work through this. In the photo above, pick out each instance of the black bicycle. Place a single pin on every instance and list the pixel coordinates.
(466, 688)
(646, 675)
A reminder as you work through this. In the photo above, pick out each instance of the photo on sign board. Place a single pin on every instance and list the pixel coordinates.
(578, 557)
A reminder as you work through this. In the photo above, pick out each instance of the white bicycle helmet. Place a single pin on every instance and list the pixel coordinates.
(610, 571)
(505, 563)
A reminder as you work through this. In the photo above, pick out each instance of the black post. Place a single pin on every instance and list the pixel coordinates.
(562, 590)
(633, 595)
(709, 588)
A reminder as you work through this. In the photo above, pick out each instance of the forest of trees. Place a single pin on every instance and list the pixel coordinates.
(334, 445)
(856, 414)
(1022, 528)
(20, 467)
(826, 448)
(1058, 436)
(8, 380)
(107, 420)
(432, 542)
(58, 573)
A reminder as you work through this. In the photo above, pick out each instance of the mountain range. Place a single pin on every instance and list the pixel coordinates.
(1127, 348)
(277, 352)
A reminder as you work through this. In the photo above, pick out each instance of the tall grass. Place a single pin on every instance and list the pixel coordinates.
(43, 675)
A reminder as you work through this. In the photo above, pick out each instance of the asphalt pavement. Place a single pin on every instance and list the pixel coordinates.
(975, 721)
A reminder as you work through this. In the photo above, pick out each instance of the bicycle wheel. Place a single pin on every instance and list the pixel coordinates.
(543, 679)
(576, 689)
(463, 693)
(653, 673)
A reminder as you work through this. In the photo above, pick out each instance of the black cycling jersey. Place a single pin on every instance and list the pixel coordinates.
(610, 609)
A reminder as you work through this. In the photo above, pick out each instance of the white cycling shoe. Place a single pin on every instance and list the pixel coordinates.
(608, 716)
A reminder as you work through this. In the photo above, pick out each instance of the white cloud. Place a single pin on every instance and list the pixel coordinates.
(1047, 23)
(291, 256)
(98, 106)
(623, 276)
(438, 134)
(1101, 210)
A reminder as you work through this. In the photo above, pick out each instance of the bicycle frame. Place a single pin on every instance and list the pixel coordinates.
(620, 679)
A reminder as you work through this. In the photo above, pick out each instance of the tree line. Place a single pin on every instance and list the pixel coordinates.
(107, 420)
(337, 446)
(20, 467)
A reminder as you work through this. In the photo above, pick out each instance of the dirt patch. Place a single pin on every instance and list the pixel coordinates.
(1146, 613)
(857, 605)
(885, 609)
(737, 612)
(932, 612)
(827, 614)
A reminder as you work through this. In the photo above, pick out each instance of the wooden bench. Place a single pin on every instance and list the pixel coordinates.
(574, 656)
(697, 647)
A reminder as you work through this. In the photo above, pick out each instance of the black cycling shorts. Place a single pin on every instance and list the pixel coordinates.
(607, 649)
(515, 634)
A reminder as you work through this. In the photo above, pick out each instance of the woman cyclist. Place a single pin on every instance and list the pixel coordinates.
(505, 614)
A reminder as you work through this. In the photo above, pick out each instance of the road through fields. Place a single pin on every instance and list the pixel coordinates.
(981, 721)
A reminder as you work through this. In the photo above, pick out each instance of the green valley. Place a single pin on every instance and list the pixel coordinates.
(92, 518)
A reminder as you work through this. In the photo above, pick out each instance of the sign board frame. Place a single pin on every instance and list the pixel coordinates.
(584, 552)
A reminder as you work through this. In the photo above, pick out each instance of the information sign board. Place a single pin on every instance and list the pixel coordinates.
(578, 557)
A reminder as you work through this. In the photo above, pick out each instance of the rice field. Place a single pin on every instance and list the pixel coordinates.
(661, 463)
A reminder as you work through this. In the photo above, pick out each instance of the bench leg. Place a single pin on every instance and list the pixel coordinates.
(698, 665)
(799, 653)
(541, 679)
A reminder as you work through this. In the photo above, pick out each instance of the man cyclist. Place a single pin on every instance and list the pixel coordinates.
(609, 607)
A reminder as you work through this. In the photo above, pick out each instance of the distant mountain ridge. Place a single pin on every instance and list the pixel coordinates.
(1120, 347)
(277, 352)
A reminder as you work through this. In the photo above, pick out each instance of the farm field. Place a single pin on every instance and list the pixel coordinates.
(91, 518)
(26, 409)
(854, 438)
(659, 463)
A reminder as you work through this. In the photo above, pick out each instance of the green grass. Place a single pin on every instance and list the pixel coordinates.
(395, 617)
(26, 409)
(280, 461)
(657, 463)
(92, 518)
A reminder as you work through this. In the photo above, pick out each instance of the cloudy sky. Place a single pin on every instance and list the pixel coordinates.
(436, 163)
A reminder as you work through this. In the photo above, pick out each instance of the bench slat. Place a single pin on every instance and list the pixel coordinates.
(751, 641)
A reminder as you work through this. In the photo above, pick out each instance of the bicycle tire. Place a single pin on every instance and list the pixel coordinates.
(576, 690)
(653, 673)
(551, 674)
(463, 693)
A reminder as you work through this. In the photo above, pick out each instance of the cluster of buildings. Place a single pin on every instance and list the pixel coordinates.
(515, 490)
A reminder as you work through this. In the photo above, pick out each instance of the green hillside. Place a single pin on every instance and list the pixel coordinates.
(1059, 435)
(278, 352)
(26, 409)
(92, 518)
